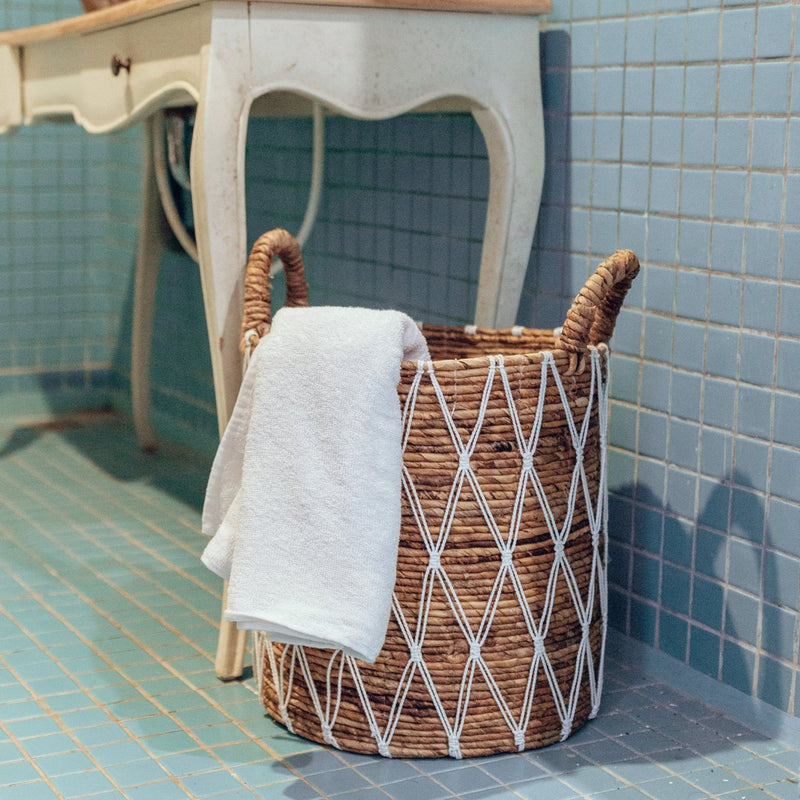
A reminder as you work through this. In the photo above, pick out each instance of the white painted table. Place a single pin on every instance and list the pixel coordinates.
(369, 59)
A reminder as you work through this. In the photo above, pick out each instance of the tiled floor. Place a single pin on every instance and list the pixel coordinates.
(107, 690)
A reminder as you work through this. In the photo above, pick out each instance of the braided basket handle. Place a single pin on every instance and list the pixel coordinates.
(594, 311)
(257, 315)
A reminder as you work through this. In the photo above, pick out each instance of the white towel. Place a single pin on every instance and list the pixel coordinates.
(303, 500)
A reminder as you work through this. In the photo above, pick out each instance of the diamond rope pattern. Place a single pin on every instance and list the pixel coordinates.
(412, 622)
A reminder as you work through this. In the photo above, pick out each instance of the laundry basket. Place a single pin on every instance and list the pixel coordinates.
(498, 623)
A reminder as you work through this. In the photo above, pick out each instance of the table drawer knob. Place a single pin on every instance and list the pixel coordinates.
(117, 64)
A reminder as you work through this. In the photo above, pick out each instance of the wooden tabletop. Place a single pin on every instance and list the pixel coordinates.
(139, 9)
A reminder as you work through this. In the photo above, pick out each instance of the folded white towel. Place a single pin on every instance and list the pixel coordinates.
(303, 500)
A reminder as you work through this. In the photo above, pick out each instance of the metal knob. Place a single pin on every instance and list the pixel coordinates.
(117, 64)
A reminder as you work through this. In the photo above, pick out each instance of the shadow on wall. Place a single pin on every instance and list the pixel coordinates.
(550, 284)
(699, 590)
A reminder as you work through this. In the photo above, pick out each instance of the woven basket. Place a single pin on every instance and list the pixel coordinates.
(497, 634)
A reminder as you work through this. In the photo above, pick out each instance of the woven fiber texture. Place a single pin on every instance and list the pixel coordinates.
(499, 612)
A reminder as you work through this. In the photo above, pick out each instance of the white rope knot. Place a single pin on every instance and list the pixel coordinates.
(463, 461)
(284, 709)
(416, 653)
(506, 558)
(327, 735)
(475, 650)
(527, 461)
(558, 547)
(519, 739)
(453, 750)
(566, 728)
(538, 645)
(586, 627)
(435, 560)
(383, 749)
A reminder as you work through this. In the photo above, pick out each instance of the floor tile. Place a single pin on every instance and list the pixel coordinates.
(107, 687)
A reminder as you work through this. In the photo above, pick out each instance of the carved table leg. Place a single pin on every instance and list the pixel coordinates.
(217, 177)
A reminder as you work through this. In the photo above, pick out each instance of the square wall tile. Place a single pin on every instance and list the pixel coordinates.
(609, 90)
(652, 439)
(714, 499)
(701, 89)
(685, 395)
(771, 87)
(678, 541)
(673, 635)
(745, 566)
(655, 390)
(730, 194)
(640, 41)
(722, 346)
(704, 651)
(675, 589)
(774, 682)
(783, 524)
(671, 33)
(747, 515)
(666, 138)
(703, 36)
(610, 41)
(738, 666)
(707, 598)
(785, 469)
(696, 192)
(635, 186)
(694, 243)
(725, 300)
(731, 98)
(788, 358)
(762, 252)
(769, 142)
(752, 463)
(755, 411)
(766, 197)
(774, 31)
(688, 346)
(664, 188)
(668, 87)
(742, 612)
(778, 631)
(646, 576)
(638, 90)
(684, 440)
(647, 526)
(698, 141)
(727, 247)
(681, 491)
(757, 362)
(781, 579)
(738, 34)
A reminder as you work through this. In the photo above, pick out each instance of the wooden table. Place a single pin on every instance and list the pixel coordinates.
(368, 59)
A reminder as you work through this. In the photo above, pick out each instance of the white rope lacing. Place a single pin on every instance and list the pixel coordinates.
(453, 719)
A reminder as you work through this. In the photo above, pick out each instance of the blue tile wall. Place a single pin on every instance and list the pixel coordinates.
(710, 158)
(673, 128)
(64, 286)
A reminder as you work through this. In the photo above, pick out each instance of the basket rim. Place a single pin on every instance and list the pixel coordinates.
(512, 360)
